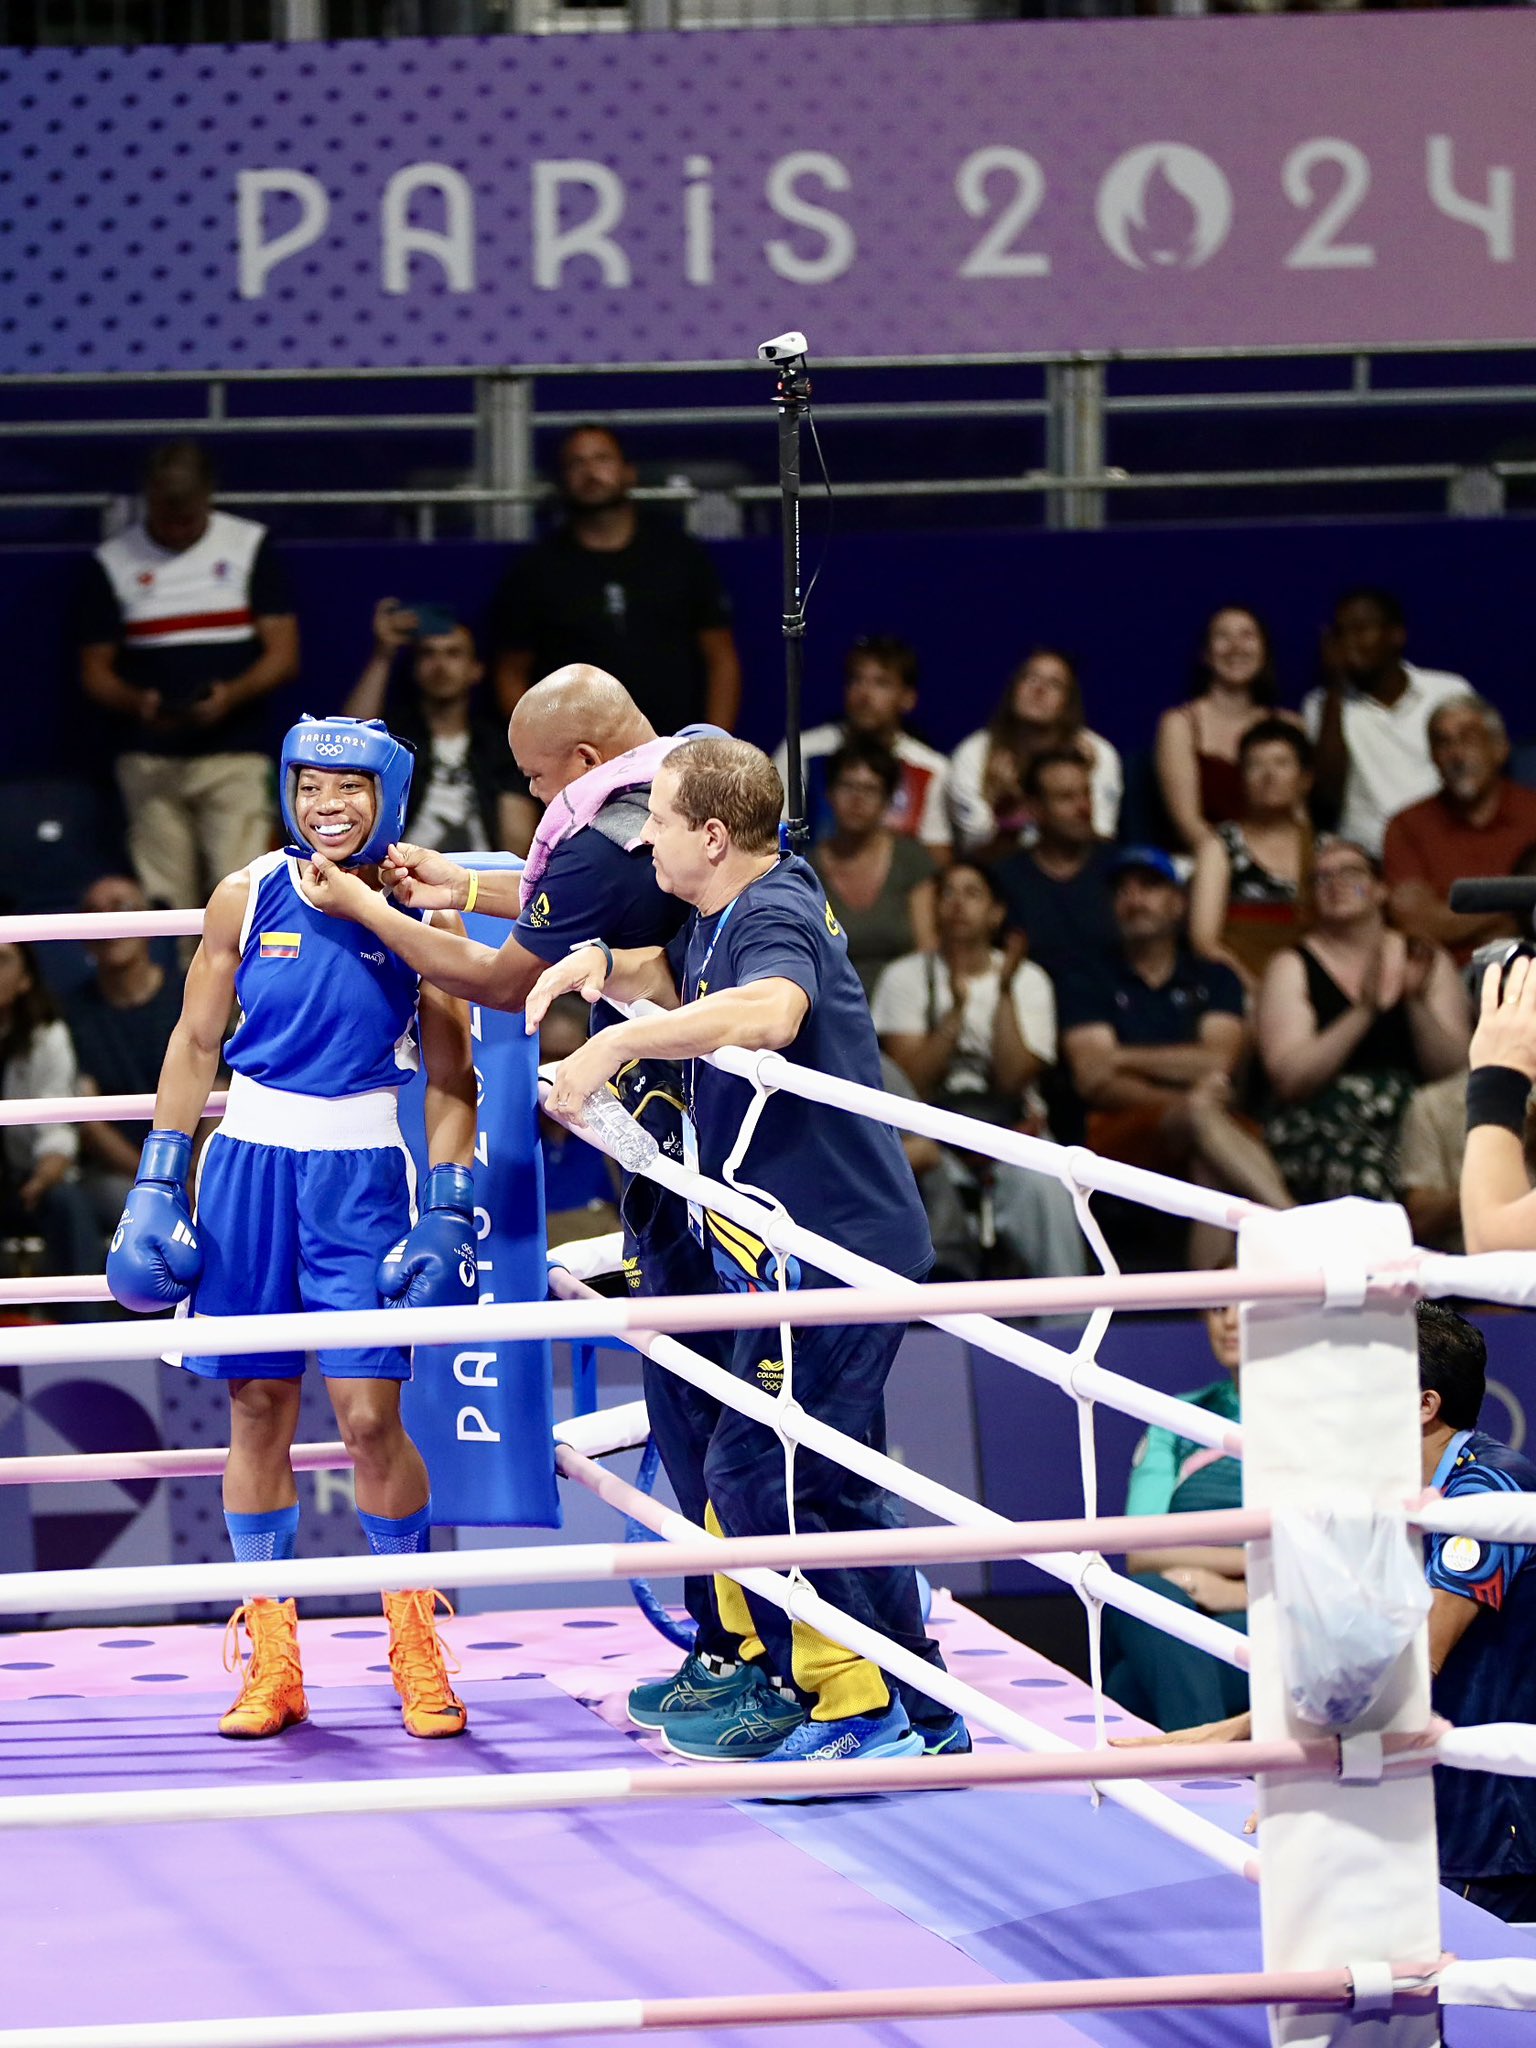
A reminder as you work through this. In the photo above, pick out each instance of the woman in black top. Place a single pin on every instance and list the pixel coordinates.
(1350, 1022)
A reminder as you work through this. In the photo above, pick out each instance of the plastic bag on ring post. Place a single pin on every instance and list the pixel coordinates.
(1349, 1594)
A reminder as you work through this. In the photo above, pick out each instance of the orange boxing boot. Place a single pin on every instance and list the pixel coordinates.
(428, 1703)
(272, 1687)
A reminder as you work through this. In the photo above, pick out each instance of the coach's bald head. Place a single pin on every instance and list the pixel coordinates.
(574, 719)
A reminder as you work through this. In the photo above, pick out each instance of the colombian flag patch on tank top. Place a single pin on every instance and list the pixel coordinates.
(280, 945)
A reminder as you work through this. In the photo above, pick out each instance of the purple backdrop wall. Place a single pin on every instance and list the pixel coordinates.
(915, 192)
(1129, 603)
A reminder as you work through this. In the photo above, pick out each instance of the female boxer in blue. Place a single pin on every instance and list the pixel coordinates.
(304, 1194)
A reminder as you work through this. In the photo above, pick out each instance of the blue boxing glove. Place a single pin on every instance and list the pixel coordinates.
(155, 1259)
(434, 1265)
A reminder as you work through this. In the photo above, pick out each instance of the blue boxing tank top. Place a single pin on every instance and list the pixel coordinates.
(325, 1007)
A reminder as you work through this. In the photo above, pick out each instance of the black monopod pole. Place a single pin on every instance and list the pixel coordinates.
(792, 397)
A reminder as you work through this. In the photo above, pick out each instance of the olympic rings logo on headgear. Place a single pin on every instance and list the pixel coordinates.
(367, 745)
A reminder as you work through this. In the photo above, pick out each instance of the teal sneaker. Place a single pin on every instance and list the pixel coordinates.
(749, 1725)
(952, 1738)
(694, 1688)
(855, 1736)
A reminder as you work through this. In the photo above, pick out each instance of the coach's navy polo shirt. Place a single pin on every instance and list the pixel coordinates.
(1487, 1824)
(1142, 1015)
(593, 889)
(842, 1175)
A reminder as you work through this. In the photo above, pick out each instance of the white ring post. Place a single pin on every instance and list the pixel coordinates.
(1330, 1415)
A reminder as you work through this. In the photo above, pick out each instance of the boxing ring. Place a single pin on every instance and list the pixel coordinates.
(552, 1875)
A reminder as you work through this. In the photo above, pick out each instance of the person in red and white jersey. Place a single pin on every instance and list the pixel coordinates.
(185, 625)
(879, 696)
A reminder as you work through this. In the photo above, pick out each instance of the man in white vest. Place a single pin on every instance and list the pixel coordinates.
(186, 625)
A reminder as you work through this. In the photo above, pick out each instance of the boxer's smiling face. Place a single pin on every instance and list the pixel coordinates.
(334, 810)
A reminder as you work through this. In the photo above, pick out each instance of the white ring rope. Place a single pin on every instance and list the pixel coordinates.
(1187, 1623)
(710, 2015)
(1507, 1277)
(806, 1605)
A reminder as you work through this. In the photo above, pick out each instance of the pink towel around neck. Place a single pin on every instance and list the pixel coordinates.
(580, 801)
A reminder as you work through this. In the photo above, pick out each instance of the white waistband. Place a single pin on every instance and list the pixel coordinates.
(309, 1123)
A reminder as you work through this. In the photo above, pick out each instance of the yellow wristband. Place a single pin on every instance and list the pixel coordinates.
(473, 891)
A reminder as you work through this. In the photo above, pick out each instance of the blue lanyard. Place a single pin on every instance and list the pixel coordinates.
(698, 979)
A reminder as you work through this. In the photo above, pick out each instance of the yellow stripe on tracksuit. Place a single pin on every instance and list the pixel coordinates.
(841, 1683)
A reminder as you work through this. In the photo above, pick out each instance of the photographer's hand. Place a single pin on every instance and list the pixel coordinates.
(1498, 1208)
(1506, 1024)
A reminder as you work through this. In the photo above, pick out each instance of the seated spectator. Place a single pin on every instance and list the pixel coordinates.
(1057, 892)
(466, 794)
(1041, 712)
(1350, 1022)
(880, 886)
(1251, 892)
(1477, 822)
(40, 1195)
(1154, 1041)
(1164, 1681)
(974, 1029)
(879, 696)
(1370, 720)
(121, 1020)
(1196, 756)
(580, 1183)
(1433, 1140)
(187, 625)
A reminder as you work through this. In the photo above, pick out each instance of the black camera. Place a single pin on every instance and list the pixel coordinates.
(1500, 953)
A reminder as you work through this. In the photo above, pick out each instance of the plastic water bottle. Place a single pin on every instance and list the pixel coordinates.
(606, 1117)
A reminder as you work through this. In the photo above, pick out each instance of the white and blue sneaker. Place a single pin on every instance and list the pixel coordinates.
(854, 1737)
(700, 1685)
(747, 1724)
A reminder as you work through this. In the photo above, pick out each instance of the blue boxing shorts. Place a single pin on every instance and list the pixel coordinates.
(285, 1229)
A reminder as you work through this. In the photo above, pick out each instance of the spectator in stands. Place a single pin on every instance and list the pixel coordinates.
(879, 696)
(1482, 1628)
(1153, 1675)
(40, 1196)
(1350, 1022)
(1430, 1152)
(466, 793)
(186, 626)
(1370, 719)
(1058, 891)
(880, 885)
(580, 1184)
(618, 589)
(1478, 822)
(1251, 892)
(974, 1029)
(120, 1020)
(1041, 712)
(1196, 756)
(1154, 1042)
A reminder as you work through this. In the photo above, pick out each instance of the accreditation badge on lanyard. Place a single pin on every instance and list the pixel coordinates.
(690, 1128)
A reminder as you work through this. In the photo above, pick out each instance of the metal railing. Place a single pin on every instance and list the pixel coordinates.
(1069, 408)
(76, 23)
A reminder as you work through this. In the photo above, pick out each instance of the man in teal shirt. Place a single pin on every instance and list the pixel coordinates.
(1169, 1683)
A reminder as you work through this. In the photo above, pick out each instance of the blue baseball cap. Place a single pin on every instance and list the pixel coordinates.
(1149, 860)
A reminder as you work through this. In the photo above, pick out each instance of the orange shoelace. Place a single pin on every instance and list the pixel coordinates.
(418, 1656)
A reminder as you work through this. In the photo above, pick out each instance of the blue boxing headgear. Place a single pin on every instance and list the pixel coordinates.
(363, 745)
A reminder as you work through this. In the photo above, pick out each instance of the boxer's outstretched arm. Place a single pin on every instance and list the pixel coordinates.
(448, 1056)
(499, 977)
(192, 1052)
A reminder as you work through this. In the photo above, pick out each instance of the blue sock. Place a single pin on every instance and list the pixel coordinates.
(394, 1537)
(262, 1539)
